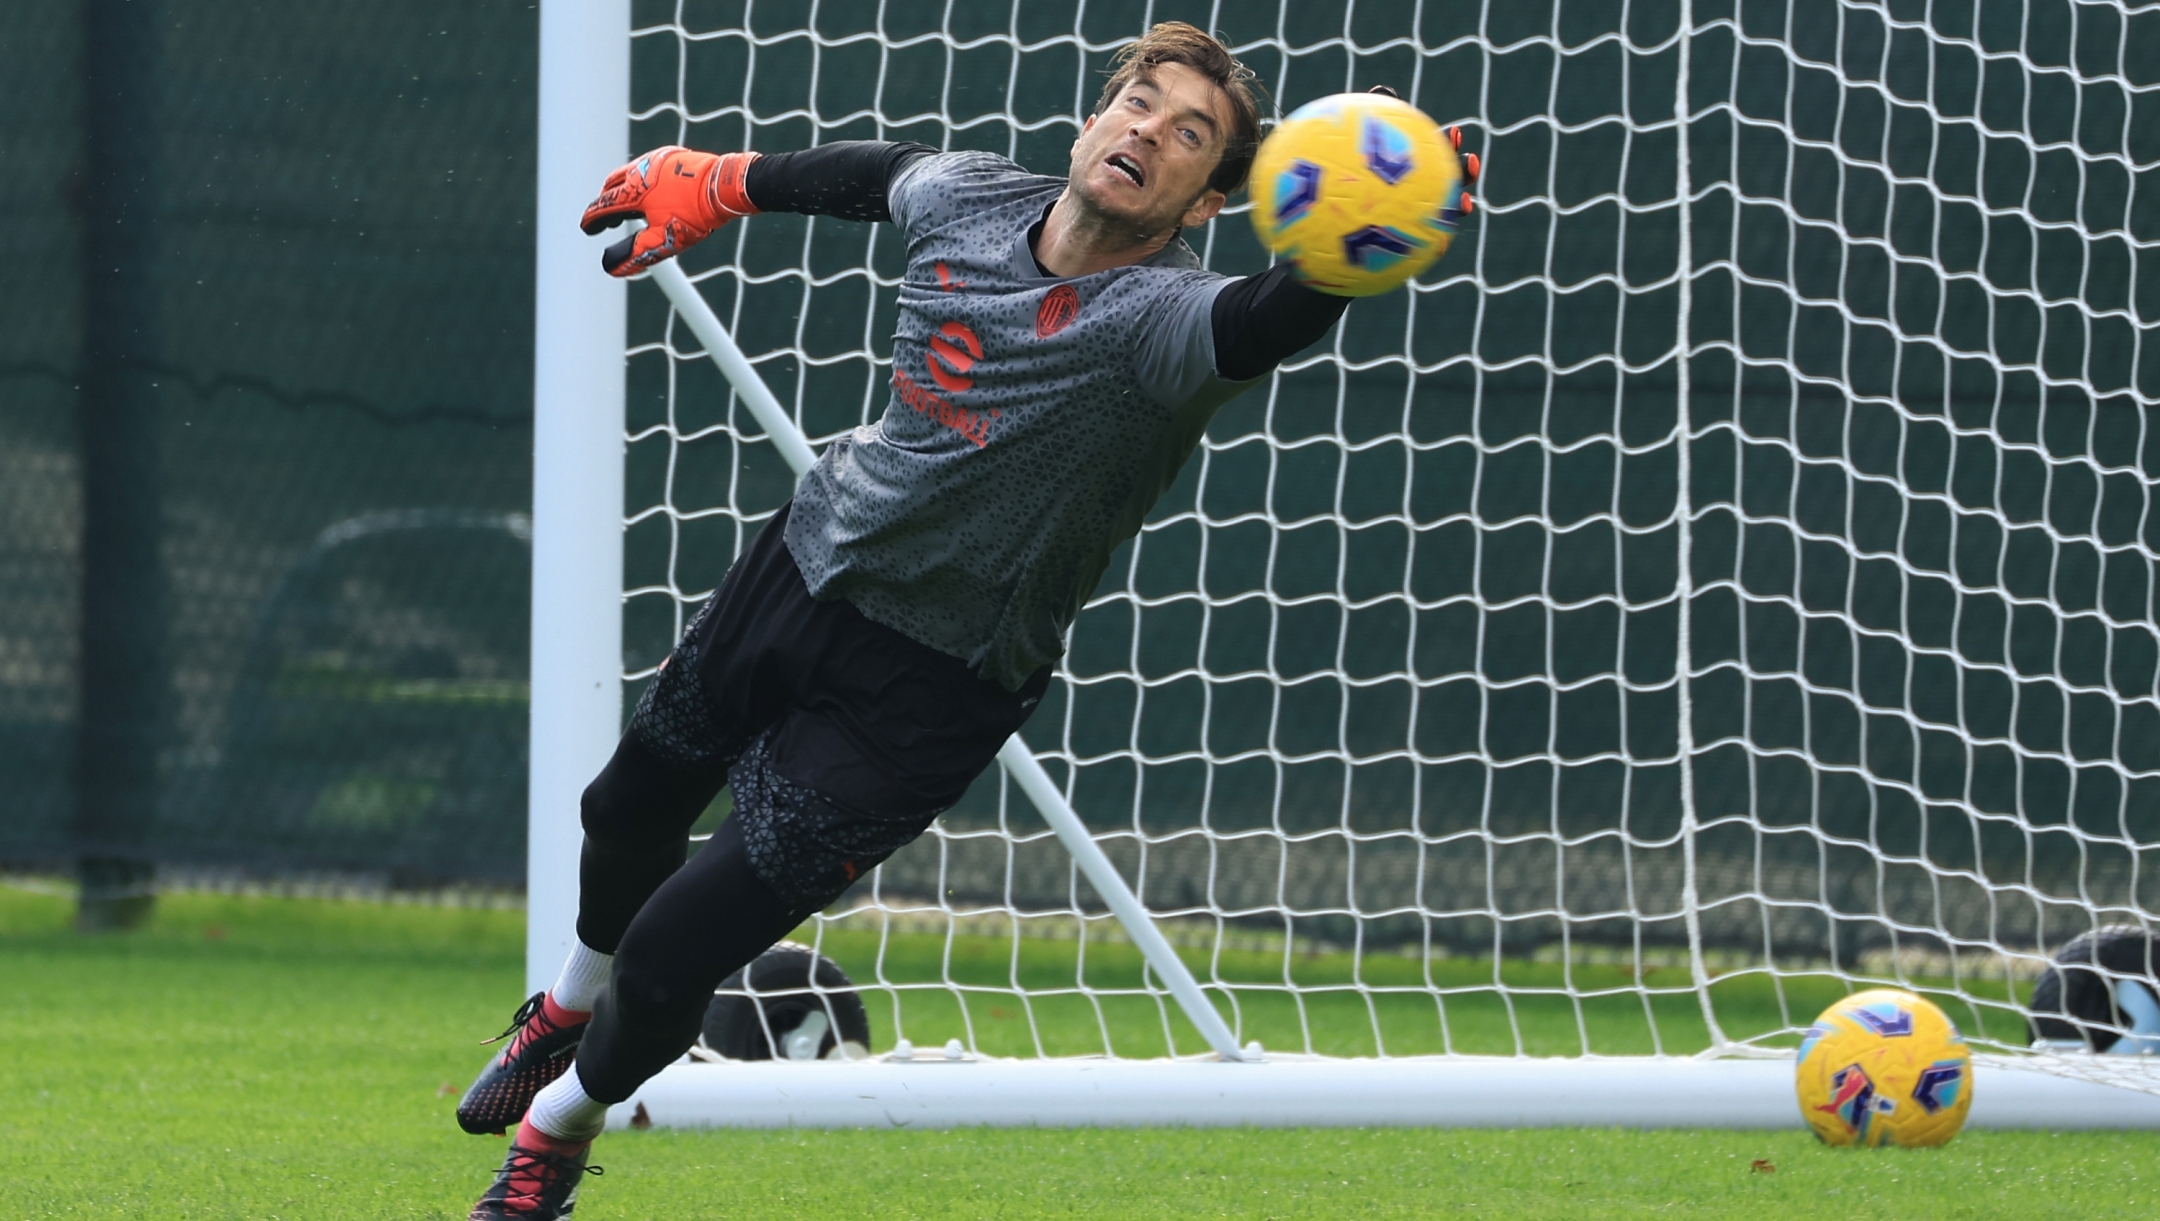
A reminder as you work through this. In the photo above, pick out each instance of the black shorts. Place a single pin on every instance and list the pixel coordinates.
(841, 738)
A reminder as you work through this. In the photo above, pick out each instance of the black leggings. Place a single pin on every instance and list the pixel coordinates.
(679, 929)
(841, 740)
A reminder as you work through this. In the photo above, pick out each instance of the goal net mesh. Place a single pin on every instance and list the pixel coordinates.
(1725, 580)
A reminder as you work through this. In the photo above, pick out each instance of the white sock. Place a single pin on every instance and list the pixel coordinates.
(584, 974)
(563, 1110)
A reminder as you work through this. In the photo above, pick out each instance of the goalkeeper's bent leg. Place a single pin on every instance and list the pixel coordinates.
(637, 815)
(786, 851)
(709, 919)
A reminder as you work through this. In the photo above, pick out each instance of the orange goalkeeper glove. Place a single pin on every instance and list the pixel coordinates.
(1461, 205)
(682, 196)
(1452, 213)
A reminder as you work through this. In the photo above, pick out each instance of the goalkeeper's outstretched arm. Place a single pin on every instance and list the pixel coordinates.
(1261, 321)
(683, 195)
(847, 179)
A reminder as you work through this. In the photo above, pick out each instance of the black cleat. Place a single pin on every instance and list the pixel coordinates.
(534, 1186)
(539, 1052)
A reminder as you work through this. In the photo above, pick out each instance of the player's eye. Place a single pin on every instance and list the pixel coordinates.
(1191, 137)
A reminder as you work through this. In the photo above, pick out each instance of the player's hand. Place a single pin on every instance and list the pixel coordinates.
(682, 196)
(1452, 215)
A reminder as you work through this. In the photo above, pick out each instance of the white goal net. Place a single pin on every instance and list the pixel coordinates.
(1727, 579)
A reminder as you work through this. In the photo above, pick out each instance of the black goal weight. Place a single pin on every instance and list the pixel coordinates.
(2075, 998)
(790, 1003)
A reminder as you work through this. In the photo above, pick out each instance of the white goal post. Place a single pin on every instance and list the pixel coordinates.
(1735, 562)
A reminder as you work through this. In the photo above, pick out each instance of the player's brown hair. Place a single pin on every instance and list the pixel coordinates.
(1175, 42)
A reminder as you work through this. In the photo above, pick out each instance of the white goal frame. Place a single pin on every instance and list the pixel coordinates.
(578, 387)
(576, 714)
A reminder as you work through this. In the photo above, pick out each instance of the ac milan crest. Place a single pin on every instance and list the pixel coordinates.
(1059, 308)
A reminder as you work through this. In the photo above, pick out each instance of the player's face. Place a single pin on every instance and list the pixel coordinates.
(1145, 160)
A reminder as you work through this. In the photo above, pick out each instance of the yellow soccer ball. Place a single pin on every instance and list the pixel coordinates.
(1884, 1067)
(1350, 190)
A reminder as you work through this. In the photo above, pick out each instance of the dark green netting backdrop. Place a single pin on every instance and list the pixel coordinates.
(336, 367)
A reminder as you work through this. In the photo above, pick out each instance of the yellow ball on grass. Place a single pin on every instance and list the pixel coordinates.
(1884, 1067)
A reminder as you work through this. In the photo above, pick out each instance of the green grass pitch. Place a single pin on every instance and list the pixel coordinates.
(263, 1058)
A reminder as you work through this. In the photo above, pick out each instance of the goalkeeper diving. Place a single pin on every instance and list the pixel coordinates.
(1058, 356)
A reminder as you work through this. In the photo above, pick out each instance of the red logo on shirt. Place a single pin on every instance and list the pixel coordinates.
(947, 363)
(945, 280)
(974, 425)
(1058, 310)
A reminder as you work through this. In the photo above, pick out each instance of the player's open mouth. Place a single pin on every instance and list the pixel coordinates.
(1127, 166)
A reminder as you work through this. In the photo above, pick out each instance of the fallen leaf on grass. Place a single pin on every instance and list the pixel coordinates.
(1761, 1165)
(445, 1090)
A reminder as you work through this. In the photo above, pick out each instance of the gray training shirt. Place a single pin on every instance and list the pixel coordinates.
(1033, 422)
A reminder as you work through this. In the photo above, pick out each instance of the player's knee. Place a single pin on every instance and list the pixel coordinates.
(648, 995)
(657, 1010)
(644, 1020)
(638, 803)
(604, 811)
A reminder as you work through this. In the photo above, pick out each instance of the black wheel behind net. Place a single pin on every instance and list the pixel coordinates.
(791, 1003)
(2075, 997)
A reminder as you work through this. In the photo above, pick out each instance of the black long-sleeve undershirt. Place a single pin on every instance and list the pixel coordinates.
(1263, 320)
(1258, 321)
(846, 179)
